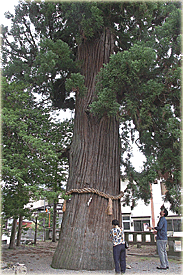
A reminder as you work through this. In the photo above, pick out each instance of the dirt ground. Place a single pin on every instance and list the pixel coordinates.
(37, 260)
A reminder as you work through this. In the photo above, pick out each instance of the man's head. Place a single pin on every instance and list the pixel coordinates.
(115, 222)
(164, 212)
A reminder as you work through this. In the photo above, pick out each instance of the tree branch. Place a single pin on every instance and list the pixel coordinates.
(64, 152)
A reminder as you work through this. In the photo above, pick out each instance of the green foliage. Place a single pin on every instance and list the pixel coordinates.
(53, 59)
(125, 76)
(31, 141)
(76, 82)
(140, 85)
(106, 104)
(92, 21)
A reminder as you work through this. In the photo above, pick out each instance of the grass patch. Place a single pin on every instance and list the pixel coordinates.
(144, 258)
(177, 261)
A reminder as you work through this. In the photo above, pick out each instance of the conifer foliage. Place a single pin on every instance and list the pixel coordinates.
(117, 64)
(31, 164)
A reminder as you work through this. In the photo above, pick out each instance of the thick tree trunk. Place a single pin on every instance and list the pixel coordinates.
(54, 222)
(94, 162)
(13, 234)
(19, 230)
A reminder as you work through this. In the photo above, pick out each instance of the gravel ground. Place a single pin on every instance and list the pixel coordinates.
(38, 259)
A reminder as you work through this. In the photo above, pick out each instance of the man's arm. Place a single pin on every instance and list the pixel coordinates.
(160, 225)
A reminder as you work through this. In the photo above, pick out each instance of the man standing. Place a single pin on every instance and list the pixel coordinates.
(161, 239)
(119, 253)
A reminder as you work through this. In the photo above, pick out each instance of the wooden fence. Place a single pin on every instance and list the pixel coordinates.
(175, 244)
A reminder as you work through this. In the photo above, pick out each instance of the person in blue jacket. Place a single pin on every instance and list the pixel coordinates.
(161, 239)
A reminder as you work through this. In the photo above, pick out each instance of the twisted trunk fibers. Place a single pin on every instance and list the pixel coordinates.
(94, 162)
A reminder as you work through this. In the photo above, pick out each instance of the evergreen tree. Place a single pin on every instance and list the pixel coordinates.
(55, 177)
(29, 151)
(122, 61)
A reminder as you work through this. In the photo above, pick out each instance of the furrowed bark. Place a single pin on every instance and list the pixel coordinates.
(94, 162)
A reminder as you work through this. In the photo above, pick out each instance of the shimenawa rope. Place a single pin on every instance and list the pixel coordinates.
(99, 193)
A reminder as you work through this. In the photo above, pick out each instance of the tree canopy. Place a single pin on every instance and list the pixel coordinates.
(30, 162)
(140, 84)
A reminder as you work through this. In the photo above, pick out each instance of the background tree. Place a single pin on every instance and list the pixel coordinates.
(29, 151)
(57, 168)
(88, 34)
(17, 181)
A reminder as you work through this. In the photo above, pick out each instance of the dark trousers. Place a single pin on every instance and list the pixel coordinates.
(119, 254)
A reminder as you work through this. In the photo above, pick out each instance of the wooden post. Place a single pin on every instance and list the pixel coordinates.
(49, 218)
(35, 233)
(152, 207)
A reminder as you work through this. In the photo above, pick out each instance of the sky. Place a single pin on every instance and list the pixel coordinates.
(8, 5)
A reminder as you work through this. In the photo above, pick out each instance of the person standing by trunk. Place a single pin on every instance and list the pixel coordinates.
(119, 252)
(161, 239)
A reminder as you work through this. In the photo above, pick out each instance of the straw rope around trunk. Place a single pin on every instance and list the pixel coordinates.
(99, 193)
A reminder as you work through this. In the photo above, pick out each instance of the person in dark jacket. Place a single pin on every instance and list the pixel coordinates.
(161, 239)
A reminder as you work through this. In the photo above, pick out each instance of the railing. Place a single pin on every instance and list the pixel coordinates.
(175, 244)
(141, 237)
